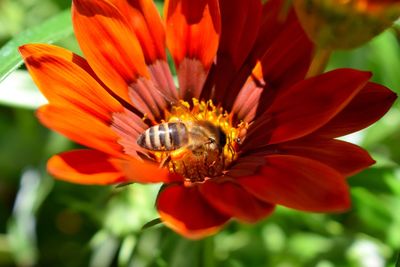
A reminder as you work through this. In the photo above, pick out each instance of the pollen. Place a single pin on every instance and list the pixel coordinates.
(212, 145)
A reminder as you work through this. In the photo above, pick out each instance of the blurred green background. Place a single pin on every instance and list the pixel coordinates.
(44, 222)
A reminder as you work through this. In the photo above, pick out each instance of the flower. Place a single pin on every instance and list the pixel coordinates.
(241, 68)
(345, 24)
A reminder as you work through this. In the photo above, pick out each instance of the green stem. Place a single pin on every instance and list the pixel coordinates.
(319, 62)
(208, 252)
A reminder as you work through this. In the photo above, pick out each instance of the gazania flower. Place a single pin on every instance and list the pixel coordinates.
(242, 132)
(344, 24)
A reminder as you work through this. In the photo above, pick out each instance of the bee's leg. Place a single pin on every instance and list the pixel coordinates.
(165, 161)
(210, 141)
(173, 166)
(223, 159)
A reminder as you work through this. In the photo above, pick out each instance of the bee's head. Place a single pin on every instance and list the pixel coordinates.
(217, 136)
(221, 137)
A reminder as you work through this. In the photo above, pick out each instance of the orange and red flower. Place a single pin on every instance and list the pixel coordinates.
(241, 66)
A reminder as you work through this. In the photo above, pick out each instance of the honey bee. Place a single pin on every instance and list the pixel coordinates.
(198, 137)
(193, 148)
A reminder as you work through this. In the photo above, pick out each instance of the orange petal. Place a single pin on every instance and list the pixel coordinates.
(66, 79)
(88, 167)
(193, 29)
(230, 198)
(144, 171)
(109, 44)
(344, 157)
(184, 210)
(80, 127)
(143, 16)
(56, 51)
(299, 183)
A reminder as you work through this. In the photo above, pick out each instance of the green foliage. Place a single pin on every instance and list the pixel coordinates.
(59, 224)
(50, 31)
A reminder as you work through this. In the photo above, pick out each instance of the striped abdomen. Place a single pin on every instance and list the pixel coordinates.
(164, 137)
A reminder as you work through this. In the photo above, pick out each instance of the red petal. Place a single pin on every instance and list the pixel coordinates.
(299, 183)
(89, 167)
(285, 63)
(275, 19)
(184, 210)
(305, 107)
(284, 57)
(371, 103)
(192, 38)
(80, 127)
(247, 100)
(344, 157)
(230, 198)
(66, 80)
(148, 98)
(240, 21)
(109, 44)
(128, 127)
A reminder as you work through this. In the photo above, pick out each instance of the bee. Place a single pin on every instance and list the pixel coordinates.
(198, 137)
(193, 148)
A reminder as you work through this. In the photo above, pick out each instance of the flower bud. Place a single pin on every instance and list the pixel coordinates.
(345, 24)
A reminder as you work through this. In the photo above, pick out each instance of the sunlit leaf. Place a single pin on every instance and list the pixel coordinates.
(126, 250)
(104, 246)
(18, 90)
(366, 250)
(133, 204)
(50, 31)
(22, 227)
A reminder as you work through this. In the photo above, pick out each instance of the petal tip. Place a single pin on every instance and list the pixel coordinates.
(181, 229)
(344, 205)
(24, 50)
(392, 97)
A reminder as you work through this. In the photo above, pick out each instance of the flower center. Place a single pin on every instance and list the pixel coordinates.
(208, 140)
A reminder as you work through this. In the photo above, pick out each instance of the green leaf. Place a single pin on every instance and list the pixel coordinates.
(50, 31)
(151, 223)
